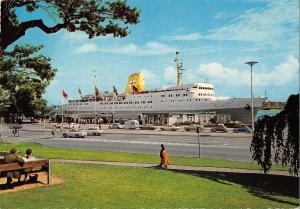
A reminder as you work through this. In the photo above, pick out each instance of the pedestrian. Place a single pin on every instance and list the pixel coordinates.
(14, 132)
(53, 133)
(164, 159)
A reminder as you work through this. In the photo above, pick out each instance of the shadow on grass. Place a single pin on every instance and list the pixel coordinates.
(18, 184)
(266, 186)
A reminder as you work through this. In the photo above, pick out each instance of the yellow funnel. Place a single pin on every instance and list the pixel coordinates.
(135, 83)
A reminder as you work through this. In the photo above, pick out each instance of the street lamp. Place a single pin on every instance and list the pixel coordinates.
(251, 63)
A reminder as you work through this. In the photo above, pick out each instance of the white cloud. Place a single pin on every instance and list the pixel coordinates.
(276, 24)
(279, 19)
(170, 75)
(156, 48)
(282, 75)
(85, 48)
(222, 15)
(151, 48)
(75, 36)
(186, 37)
(151, 79)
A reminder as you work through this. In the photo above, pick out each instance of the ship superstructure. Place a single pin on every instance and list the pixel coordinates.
(187, 98)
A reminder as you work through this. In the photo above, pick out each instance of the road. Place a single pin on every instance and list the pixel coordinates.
(177, 143)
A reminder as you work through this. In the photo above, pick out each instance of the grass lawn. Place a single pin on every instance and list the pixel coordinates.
(99, 186)
(85, 154)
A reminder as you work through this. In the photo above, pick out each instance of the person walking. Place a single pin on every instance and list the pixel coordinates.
(164, 159)
(53, 133)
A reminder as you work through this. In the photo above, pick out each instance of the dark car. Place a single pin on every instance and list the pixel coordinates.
(244, 129)
(147, 127)
(220, 128)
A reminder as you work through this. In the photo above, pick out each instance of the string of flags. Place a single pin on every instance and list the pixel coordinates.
(98, 94)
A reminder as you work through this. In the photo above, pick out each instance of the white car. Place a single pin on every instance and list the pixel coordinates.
(116, 126)
(61, 125)
(76, 134)
(74, 126)
(67, 125)
(94, 131)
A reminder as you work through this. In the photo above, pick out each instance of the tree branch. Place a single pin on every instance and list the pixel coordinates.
(9, 36)
(40, 24)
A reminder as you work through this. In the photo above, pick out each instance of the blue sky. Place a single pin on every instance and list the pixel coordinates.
(214, 37)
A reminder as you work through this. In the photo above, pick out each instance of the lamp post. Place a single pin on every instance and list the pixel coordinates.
(251, 63)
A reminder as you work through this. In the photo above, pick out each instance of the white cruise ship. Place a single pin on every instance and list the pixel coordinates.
(183, 99)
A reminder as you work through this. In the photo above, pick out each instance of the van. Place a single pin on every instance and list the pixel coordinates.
(131, 124)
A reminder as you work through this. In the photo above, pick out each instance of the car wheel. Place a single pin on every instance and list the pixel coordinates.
(77, 136)
(213, 130)
(65, 135)
(235, 131)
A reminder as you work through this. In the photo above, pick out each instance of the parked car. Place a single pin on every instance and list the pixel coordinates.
(94, 131)
(116, 126)
(220, 127)
(147, 127)
(68, 125)
(15, 126)
(169, 128)
(244, 129)
(131, 124)
(76, 134)
(61, 125)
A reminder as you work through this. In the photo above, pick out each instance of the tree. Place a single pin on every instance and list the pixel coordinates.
(95, 17)
(25, 74)
(277, 138)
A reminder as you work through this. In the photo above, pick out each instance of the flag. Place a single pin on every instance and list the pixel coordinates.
(64, 94)
(135, 89)
(98, 94)
(97, 91)
(80, 93)
(115, 93)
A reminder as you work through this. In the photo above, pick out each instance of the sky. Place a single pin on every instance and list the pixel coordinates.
(214, 38)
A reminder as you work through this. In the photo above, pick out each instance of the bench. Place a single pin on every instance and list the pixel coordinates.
(39, 165)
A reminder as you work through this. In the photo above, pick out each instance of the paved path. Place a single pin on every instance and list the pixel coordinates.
(171, 167)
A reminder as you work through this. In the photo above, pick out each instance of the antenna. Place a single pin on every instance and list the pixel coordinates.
(179, 70)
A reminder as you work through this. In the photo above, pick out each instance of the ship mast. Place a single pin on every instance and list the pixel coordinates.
(179, 70)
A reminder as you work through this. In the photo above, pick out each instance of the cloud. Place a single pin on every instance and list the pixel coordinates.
(275, 24)
(186, 37)
(75, 36)
(223, 15)
(151, 48)
(151, 79)
(279, 19)
(169, 75)
(85, 48)
(282, 75)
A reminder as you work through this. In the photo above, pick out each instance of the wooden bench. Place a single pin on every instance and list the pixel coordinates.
(39, 165)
